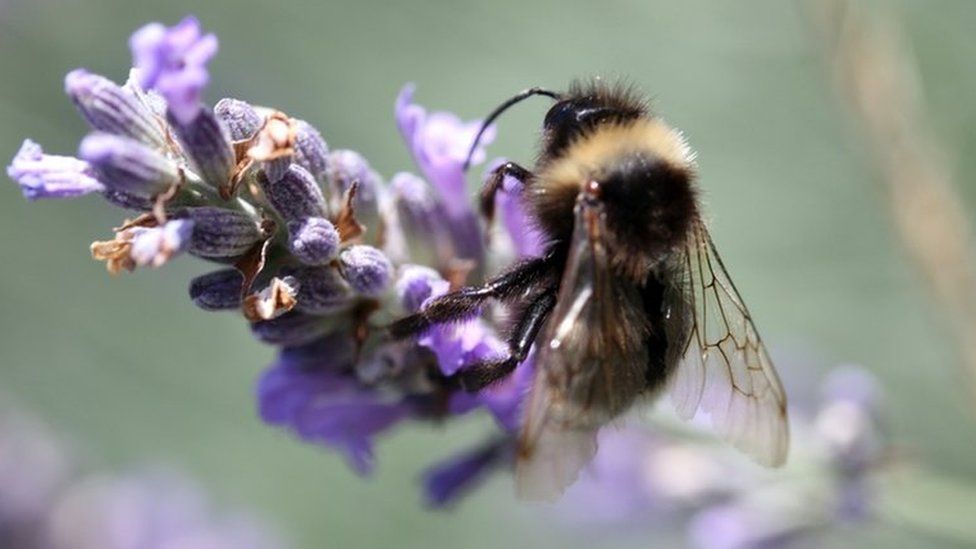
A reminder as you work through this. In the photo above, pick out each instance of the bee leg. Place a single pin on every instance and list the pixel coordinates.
(478, 376)
(465, 302)
(494, 184)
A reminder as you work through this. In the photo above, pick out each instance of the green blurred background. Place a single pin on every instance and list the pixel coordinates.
(134, 372)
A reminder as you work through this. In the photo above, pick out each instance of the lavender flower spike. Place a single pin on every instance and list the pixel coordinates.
(48, 176)
(173, 61)
(112, 109)
(128, 166)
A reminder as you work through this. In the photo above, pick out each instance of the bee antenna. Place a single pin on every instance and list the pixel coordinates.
(524, 94)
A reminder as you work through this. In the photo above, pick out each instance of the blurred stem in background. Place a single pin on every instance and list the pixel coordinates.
(876, 76)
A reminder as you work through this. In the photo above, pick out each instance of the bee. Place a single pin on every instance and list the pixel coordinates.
(630, 295)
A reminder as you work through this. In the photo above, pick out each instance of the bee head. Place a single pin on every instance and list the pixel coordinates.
(585, 107)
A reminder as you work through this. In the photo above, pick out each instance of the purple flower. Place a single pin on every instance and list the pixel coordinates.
(206, 140)
(173, 61)
(506, 398)
(749, 525)
(425, 228)
(128, 166)
(417, 284)
(458, 345)
(439, 144)
(367, 270)
(112, 109)
(526, 238)
(447, 481)
(150, 510)
(154, 246)
(48, 176)
(325, 406)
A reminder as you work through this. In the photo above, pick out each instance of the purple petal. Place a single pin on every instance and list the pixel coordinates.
(417, 284)
(447, 481)
(173, 62)
(47, 176)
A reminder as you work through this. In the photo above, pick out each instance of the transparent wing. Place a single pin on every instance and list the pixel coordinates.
(723, 368)
(589, 366)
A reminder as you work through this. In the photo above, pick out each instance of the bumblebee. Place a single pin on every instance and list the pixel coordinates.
(629, 299)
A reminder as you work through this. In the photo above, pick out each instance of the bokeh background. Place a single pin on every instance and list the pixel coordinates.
(129, 369)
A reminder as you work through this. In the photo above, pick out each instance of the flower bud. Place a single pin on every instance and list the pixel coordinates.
(366, 269)
(48, 176)
(217, 291)
(207, 142)
(219, 233)
(313, 240)
(346, 167)
(109, 108)
(294, 328)
(422, 221)
(321, 290)
(127, 165)
(417, 284)
(240, 117)
(295, 196)
(311, 151)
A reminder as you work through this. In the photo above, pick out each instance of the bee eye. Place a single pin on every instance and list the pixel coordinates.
(560, 115)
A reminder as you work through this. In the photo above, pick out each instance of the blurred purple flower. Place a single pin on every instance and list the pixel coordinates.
(439, 144)
(457, 345)
(147, 510)
(449, 480)
(416, 284)
(48, 176)
(326, 405)
(173, 61)
(526, 238)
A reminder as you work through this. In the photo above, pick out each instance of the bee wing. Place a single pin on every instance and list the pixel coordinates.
(549, 456)
(723, 368)
(551, 450)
